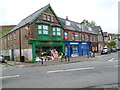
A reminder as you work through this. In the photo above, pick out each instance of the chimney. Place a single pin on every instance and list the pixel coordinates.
(66, 17)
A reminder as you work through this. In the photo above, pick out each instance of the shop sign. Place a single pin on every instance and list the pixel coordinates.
(74, 43)
(48, 43)
(84, 43)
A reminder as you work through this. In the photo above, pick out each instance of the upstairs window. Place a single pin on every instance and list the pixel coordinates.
(43, 29)
(66, 35)
(52, 19)
(48, 18)
(45, 17)
(11, 37)
(80, 36)
(83, 37)
(8, 38)
(14, 36)
(56, 31)
(73, 36)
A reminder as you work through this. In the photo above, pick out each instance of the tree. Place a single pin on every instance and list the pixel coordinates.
(112, 43)
(92, 23)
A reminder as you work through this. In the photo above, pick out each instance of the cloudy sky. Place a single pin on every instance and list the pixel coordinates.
(103, 12)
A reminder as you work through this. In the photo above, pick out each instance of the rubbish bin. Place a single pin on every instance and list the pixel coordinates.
(22, 59)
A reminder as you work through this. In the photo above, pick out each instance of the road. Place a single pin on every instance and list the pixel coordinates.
(101, 72)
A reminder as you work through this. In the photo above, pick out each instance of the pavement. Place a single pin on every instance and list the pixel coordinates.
(53, 62)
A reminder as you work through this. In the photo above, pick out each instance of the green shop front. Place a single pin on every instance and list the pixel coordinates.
(44, 46)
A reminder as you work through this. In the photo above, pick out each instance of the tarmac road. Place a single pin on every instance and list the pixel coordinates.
(102, 72)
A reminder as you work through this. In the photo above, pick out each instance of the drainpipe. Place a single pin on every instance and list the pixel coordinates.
(81, 35)
(20, 43)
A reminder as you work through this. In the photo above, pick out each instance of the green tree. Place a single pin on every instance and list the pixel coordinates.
(112, 43)
(92, 23)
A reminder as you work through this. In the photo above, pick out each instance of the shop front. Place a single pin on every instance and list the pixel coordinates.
(42, 48)
(84, 48)
(94, 47)
(76, 48)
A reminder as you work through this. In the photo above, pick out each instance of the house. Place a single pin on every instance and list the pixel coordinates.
(37, 33)
(100, 41)
(43, 31)
(79, 38)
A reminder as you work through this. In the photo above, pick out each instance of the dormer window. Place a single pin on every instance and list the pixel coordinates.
(78, 25)
(89, 28)
(48, 18)
(45, 17)
(67, 23)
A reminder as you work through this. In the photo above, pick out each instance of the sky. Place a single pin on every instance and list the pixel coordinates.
(103, 12)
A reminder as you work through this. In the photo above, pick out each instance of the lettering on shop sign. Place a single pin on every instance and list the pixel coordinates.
(74, 43)
(84, 43)
(48, 43)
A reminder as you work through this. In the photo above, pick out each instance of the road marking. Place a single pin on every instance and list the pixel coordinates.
(76, 69)
(116, 65)
(9, 76)
(111, 59)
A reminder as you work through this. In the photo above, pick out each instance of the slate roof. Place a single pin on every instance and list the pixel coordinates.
(74, 26)
(29, 18)
(97, 29)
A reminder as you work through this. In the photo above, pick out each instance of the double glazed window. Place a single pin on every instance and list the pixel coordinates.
(43, 29)
(52, 19)
(48, 18)
(45, 17)
(56, 31)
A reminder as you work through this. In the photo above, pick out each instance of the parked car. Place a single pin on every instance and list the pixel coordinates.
(105, 51)
(113, 50)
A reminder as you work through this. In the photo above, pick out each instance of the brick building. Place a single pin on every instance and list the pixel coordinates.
(79, 38)
(38, 32)
(43, 30)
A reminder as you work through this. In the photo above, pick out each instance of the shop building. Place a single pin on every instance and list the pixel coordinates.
(37, 33)
(78, 38)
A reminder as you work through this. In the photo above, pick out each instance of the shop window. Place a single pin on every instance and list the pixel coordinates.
(52, 19)
(42, 29)
(48, 18)
(66, 35)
